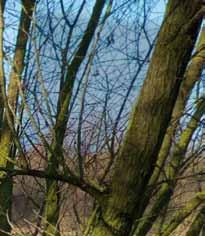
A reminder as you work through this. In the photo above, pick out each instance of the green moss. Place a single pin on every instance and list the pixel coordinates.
(179, 217)
(197, 224)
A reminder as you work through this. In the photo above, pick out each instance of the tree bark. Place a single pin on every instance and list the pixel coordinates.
(166, 190)
(183, 213)
(52, 207)
(192, 75)
(6, 140)
(197, 225)
(150, 118)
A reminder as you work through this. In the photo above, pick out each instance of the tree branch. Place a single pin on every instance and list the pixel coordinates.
(95, 190)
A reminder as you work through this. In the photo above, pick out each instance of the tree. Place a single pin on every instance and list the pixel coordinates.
(179, 149)
(150, 117)
(58, 62)
(8, 106)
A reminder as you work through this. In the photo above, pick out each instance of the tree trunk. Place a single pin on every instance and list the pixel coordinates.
(6, 140)
(192, 75)
(150, 118)
(52, 207)
(197, 225)
(166, 191)
(183, 213)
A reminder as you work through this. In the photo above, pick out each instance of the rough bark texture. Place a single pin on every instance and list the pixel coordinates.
(150, 118)
(192, 75)
(166, 191)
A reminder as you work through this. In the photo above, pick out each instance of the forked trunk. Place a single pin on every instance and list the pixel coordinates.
(150, 118)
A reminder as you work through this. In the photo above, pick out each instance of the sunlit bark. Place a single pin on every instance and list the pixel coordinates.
(150, 119)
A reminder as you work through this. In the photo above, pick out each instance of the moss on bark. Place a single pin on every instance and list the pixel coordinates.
(183, 213)
(150, 118)
(198, 223)
(6, 140)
